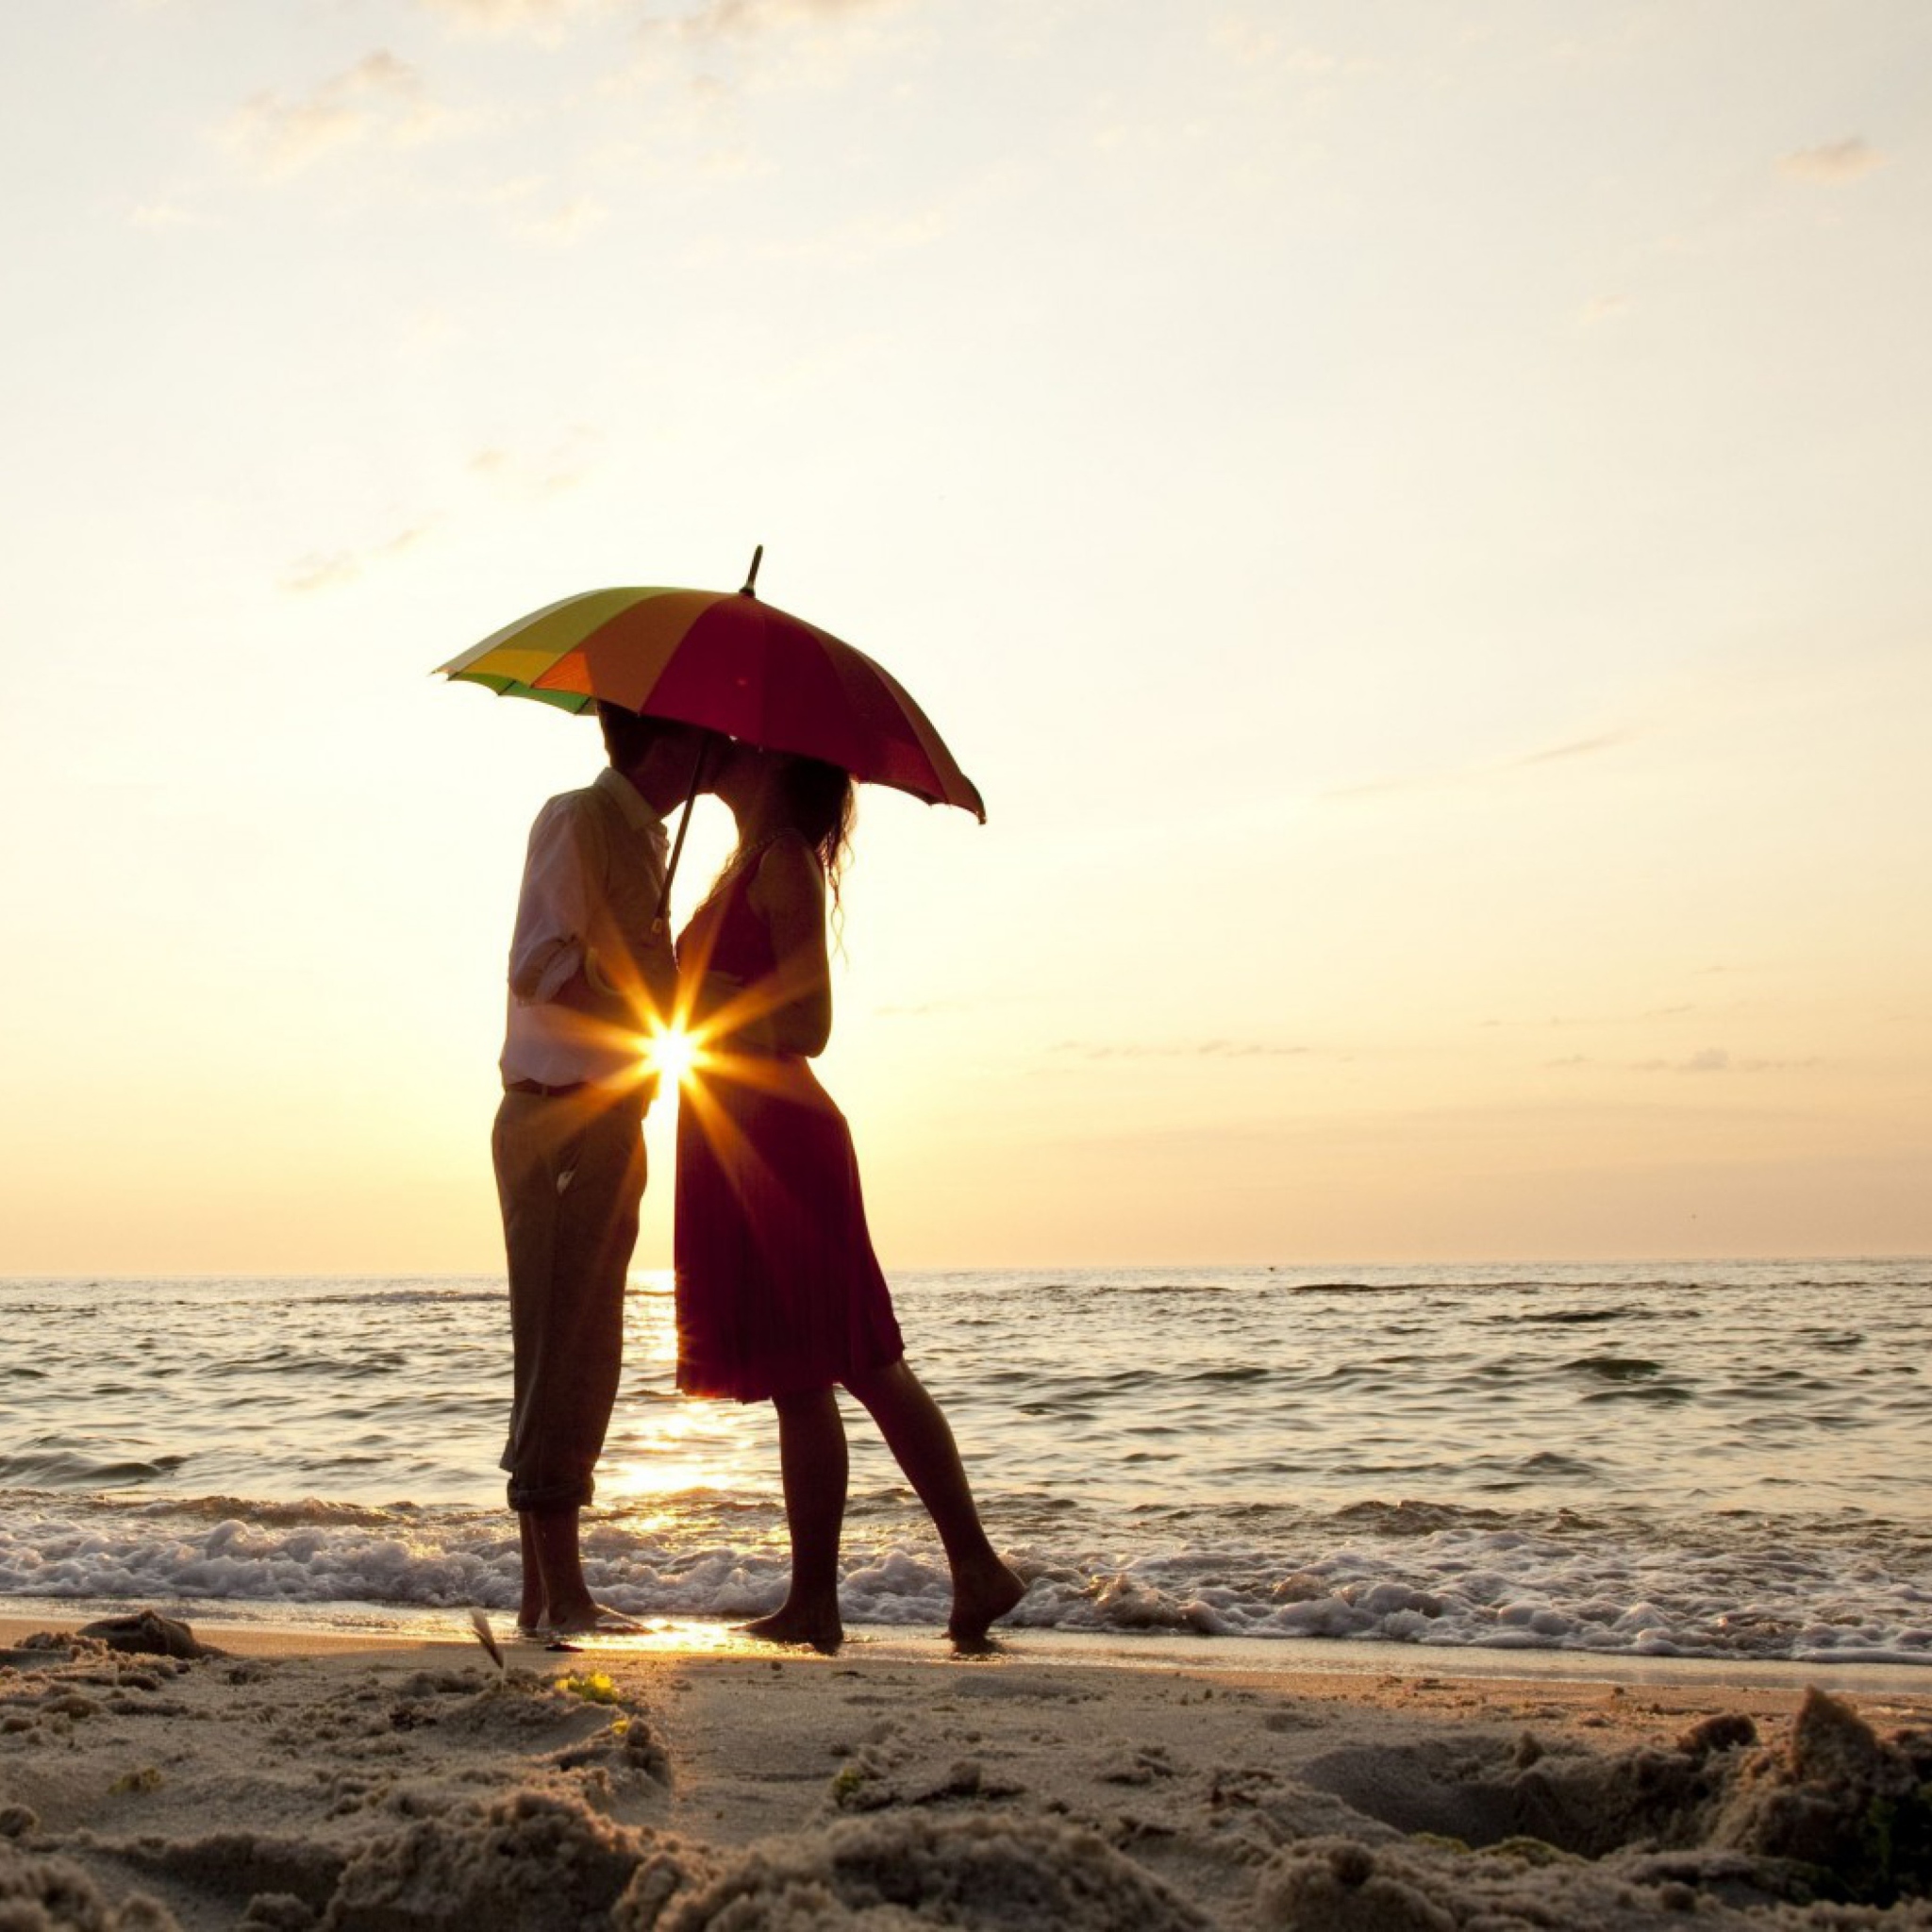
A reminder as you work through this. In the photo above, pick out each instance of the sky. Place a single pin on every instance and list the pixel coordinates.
(1412, 514)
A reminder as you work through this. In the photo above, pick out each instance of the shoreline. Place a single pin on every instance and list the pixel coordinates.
(281, 1630)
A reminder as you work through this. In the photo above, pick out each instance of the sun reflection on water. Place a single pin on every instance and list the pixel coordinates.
(664, 1446)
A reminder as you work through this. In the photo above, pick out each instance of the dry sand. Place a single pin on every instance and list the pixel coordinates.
(296, 1784)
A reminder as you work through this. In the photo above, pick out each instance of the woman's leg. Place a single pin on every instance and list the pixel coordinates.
(917, 1433)
(811, 1459)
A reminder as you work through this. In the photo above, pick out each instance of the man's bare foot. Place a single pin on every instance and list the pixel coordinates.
(980, 1600)
(821, 1629)
(594, 1620)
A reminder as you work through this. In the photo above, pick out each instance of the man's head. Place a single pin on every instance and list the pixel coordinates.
(657, 755)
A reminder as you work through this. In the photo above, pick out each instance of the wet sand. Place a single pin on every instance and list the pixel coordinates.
(300, 1781)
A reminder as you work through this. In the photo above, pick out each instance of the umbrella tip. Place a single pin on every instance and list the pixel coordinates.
(749, 588)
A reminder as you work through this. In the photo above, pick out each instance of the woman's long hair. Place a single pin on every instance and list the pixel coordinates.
(818, 802)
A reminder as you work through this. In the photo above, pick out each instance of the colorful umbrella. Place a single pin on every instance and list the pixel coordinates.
(726, 660)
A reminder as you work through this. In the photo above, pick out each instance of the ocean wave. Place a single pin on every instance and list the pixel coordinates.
(69, 1469)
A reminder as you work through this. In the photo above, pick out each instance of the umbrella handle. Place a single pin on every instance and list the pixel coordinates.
(749, 588)
(697, 772)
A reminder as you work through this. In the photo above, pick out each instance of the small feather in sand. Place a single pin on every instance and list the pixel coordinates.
(480, 1625)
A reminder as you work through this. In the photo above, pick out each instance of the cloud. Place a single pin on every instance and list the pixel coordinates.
(1708, 1059)
(541, 473)
(1716, 1059)
(1833, 164)
(1573, 748)
(563, 221)
(1604, 308)
(866, 240)
(744, 19)
(1549, 755)
(331, 570)
(165, 214)
(526, 475)
(1202, 1049)
(796, 44)
(569, 220)
(1251, 44)
(379, 98)
(501, 16)
(1632, 1017)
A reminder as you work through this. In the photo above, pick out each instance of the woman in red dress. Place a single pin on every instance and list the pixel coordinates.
(779, 1295)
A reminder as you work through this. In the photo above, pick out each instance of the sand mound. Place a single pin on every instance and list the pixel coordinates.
(1340, 1884)
(239, 1865)
(1841, 1800)
(147, 1633)
(1833, 1812)
(527, 1863)
(1825, 1829)
(894, 1873)
(56, 1895)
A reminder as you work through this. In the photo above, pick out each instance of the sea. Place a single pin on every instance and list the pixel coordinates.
(1711, 1460)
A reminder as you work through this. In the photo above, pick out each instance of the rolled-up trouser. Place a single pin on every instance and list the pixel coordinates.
(570, 1175)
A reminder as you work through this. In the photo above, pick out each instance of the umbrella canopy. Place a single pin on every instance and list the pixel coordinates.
(733, 663)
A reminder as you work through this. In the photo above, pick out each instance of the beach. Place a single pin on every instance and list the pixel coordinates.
(293, 1779)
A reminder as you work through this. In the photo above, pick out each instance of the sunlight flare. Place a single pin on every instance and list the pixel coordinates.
(673, 1053)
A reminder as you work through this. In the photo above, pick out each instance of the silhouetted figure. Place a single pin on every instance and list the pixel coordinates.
(779, 1295)
(587, 975)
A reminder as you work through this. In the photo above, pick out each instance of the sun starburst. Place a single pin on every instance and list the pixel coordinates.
(674, 1052)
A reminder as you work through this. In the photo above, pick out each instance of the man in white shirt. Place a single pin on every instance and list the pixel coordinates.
(588, 967)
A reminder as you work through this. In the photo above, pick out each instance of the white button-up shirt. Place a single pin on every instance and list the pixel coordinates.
(591, 877)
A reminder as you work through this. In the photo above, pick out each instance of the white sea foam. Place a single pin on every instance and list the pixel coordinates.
(1623, 1590)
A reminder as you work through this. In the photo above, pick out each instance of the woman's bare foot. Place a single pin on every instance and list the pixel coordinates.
(820, 1628)
(979, 1600)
